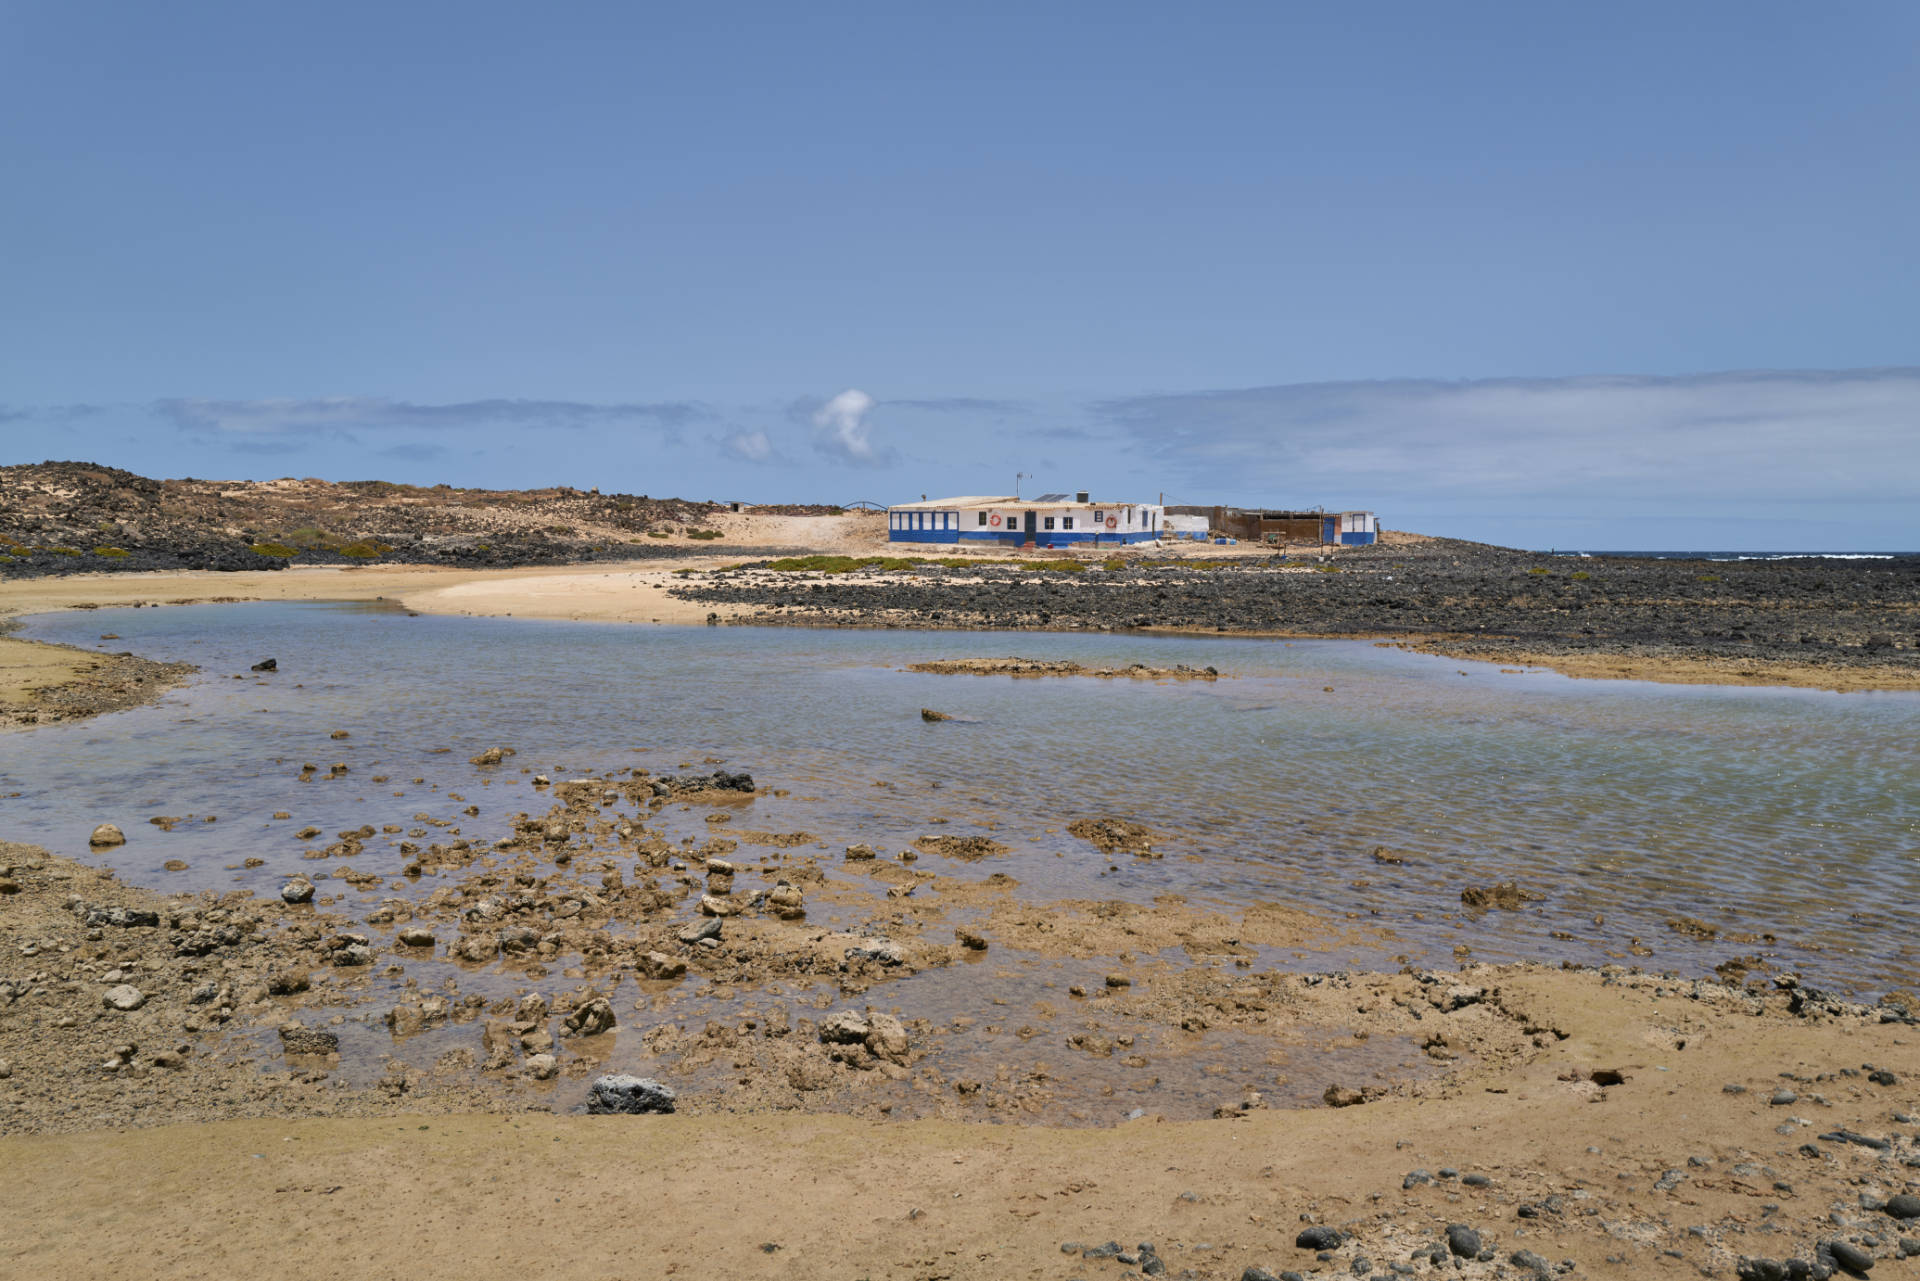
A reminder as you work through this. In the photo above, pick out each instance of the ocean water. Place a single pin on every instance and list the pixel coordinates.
(1623, 805)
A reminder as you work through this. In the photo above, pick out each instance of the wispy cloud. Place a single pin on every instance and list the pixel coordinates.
(961, 405)
(1773, 436)
(748, 447)
(277, 416)
(841, 430)
(415, 451)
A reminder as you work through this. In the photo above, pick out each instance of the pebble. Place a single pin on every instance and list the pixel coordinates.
(1318, 1238)
(1784, 1098)
(1463, 1241)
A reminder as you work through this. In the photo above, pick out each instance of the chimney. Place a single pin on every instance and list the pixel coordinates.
(1080, 497)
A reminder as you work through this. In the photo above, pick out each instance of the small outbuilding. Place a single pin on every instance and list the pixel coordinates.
(1051, 520)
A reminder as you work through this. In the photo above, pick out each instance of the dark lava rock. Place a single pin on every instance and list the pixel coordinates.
(1761, 1270)
(1528, 1261)
(266, 665)
(1880, 1076)
(1849, 1256)
(1463, 1241)
(625, 1095)
(1904, 1206)
(1319, 1238)
(1257, 1273)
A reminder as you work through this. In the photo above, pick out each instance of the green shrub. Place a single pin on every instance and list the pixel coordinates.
(1055, 566)
(1537, 570)
(274, 549)
(1581, 575)
(364, 549)
(659, 533)
(704, 535)
(110, 551)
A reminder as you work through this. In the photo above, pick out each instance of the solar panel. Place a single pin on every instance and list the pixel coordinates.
(1051, 498)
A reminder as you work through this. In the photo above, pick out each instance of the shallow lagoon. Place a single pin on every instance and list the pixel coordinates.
(1626, 805)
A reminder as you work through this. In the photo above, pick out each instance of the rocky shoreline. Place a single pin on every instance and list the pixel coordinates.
(1846, 620)
(45, 684)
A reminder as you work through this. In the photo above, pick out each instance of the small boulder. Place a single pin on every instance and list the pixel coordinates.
(712, 906)
(492, 756)
(886, 1038)
(787, 902)
(700, 931)
(297, 891)
(844, 1028)
(1463, 1241)
(930, 716)
(123, 997)
(590, 1018)
(658, 965)
(296, 1039)
(107, 834)
(625, 1095)
(542, 1067)
(1342, 1096)
(416, 936)
(266, 665)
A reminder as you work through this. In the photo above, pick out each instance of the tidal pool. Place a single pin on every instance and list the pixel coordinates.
(1625, 806)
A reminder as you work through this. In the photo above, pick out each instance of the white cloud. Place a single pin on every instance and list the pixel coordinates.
(748, 446)
(840, 429)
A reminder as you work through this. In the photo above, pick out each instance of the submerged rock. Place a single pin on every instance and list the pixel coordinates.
(107, 834)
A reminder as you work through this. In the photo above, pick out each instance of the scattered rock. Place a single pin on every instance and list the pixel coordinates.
(296, 1039)
(1507, 896)
(658, 965)
(971, 940)
(492, 756)
(700, 931)
(1113, 835)
(844, 1028)
(1463, 1241)
(298, 891)
(542, 1067)
(887, 1038)
(107, 834)
(929, 715)
(1341, 1096)
(590, 1017)
(1320, 1237)
(266, 665)
(124, 997)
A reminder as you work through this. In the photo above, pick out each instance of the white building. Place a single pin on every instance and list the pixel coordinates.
(1051, 520)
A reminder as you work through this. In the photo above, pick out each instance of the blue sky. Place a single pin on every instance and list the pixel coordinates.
(1613, 275)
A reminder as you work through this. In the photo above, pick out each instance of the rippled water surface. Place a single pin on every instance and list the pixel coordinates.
(1624, 805)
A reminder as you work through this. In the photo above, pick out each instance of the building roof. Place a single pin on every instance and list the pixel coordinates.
(1004, 500)
(943, 503)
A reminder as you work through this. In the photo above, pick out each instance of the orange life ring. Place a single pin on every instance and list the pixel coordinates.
(996, 521)
(1113, 522)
